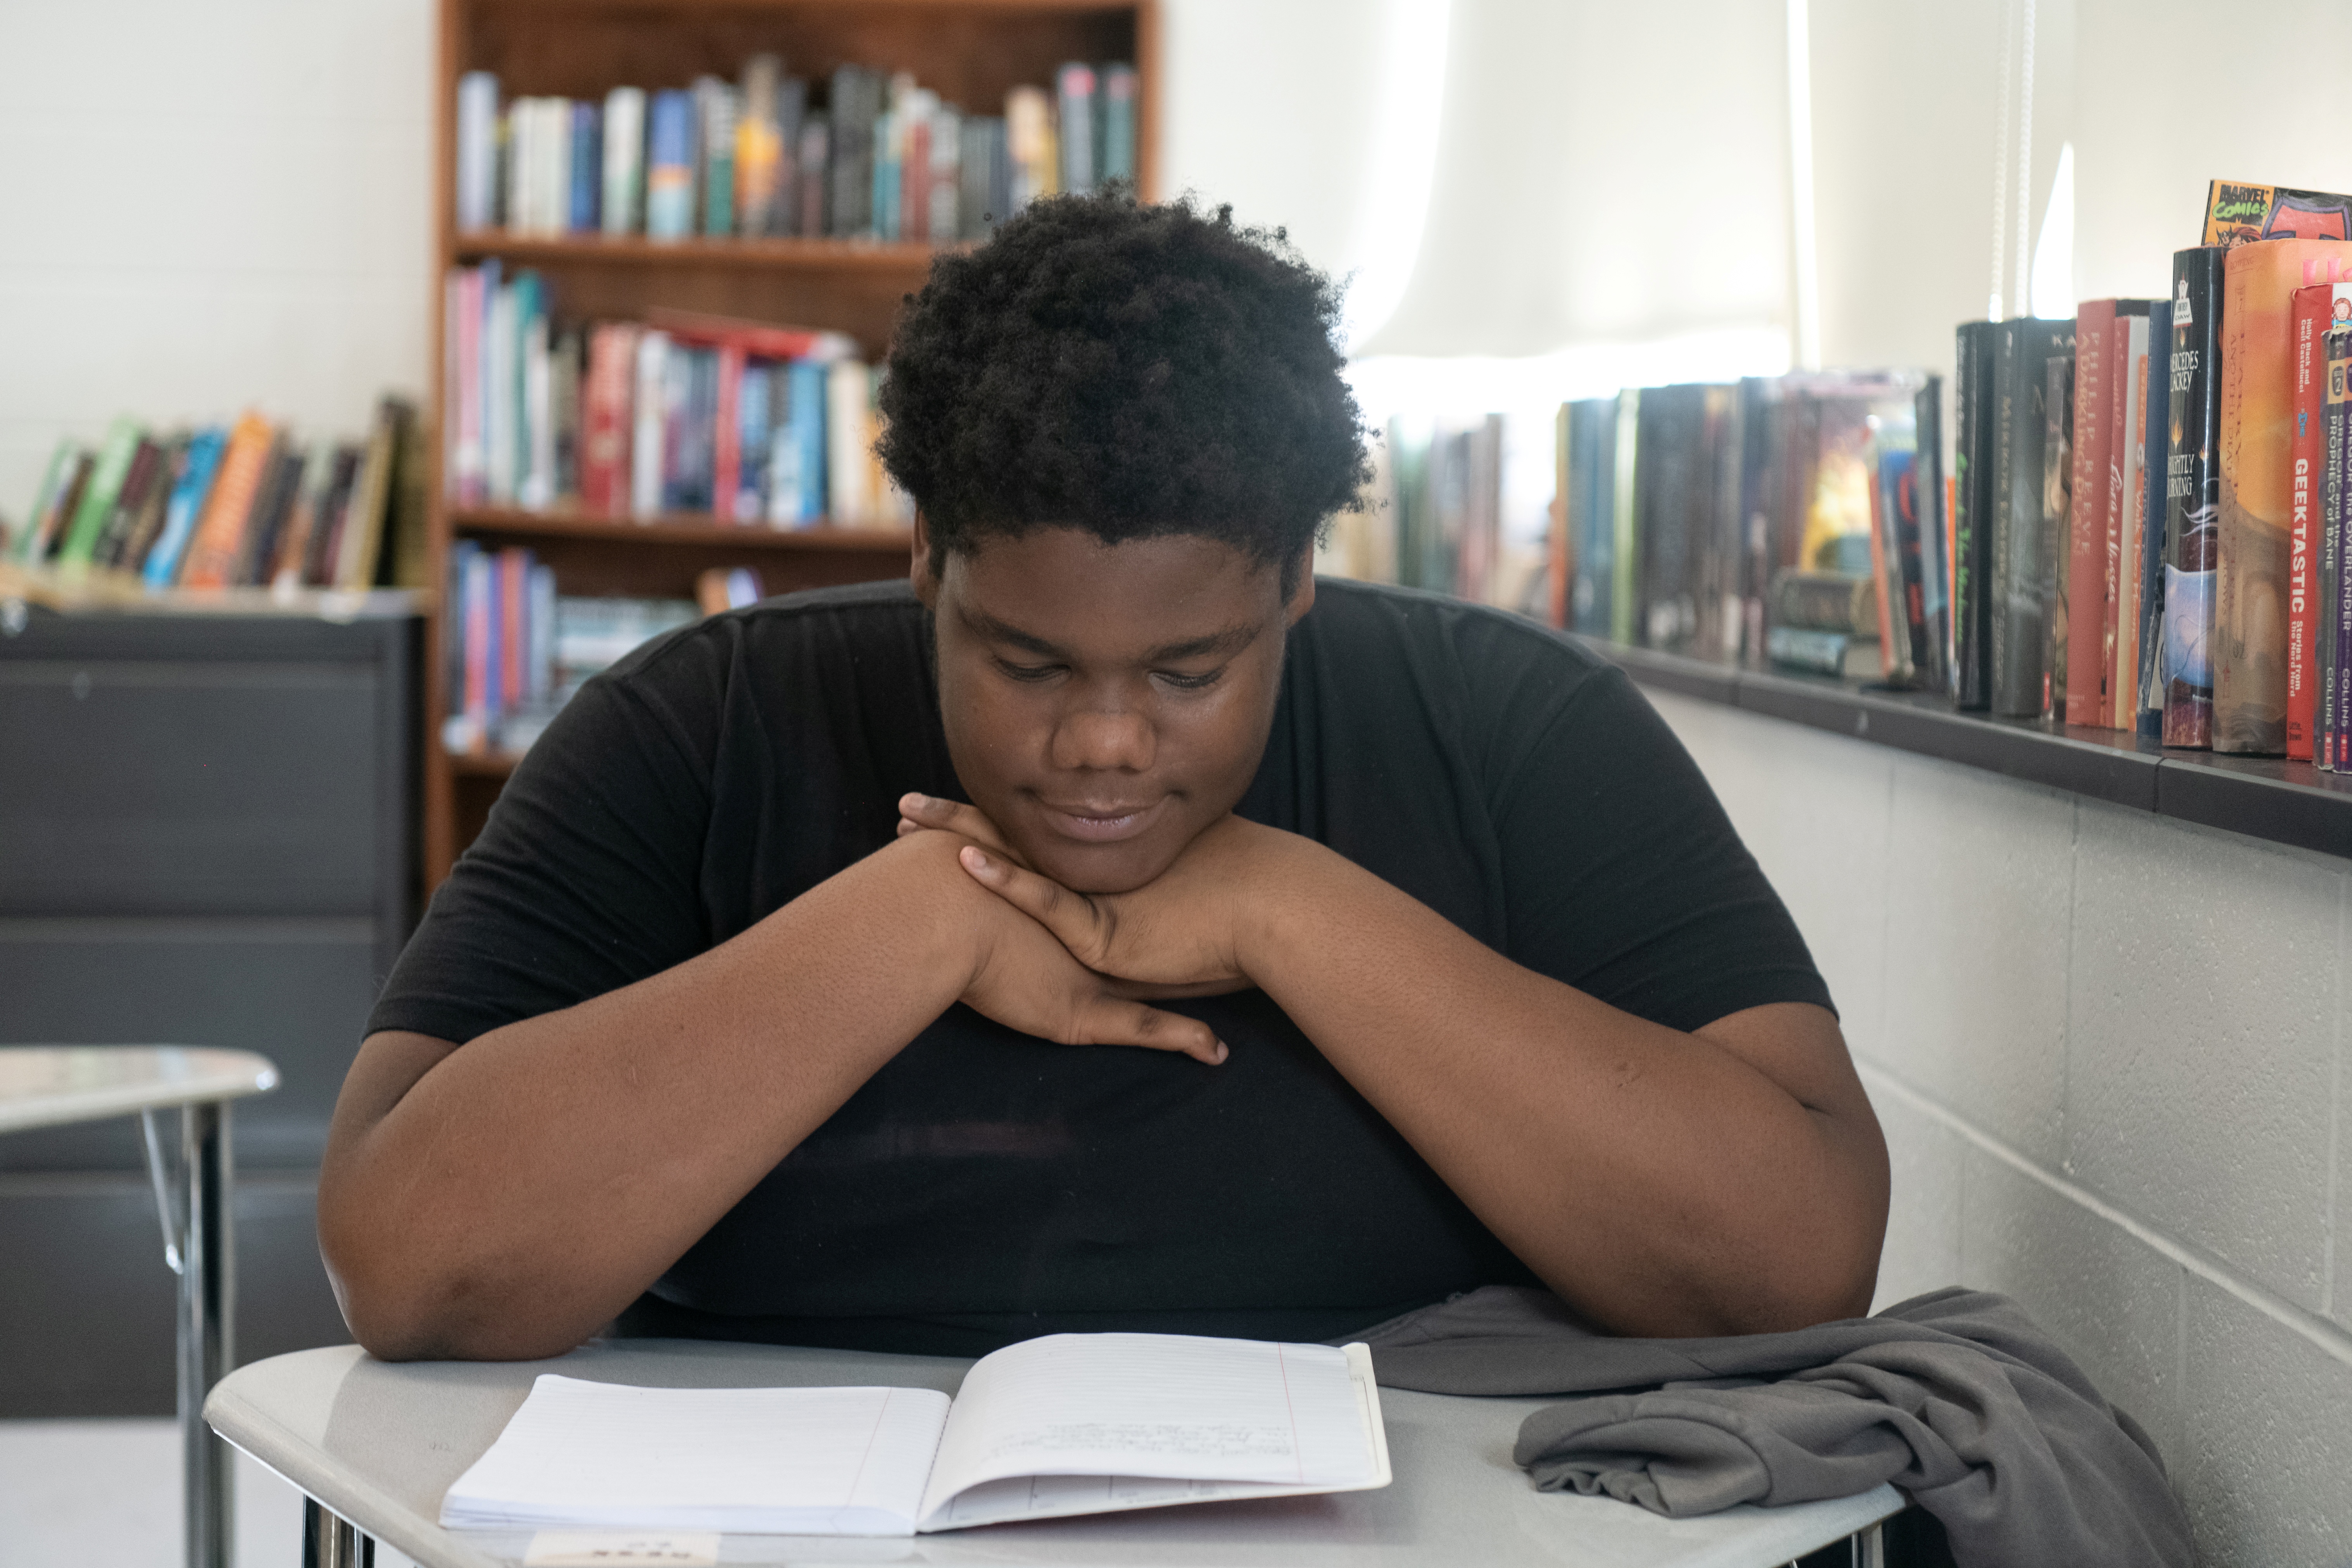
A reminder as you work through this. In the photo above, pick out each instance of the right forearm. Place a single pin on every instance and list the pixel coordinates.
(528, 1186)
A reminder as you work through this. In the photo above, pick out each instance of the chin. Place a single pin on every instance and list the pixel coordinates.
(1097, 869)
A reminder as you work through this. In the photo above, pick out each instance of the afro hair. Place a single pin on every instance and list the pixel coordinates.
(1129, 369)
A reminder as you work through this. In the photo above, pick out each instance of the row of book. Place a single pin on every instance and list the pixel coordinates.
(1685, 514)
(2142, 529)
(880, 157)
(517, 650)
(250, 504)
(742, 421)
(2141, 510)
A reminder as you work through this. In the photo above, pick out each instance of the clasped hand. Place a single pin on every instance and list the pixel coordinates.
(1181, 934)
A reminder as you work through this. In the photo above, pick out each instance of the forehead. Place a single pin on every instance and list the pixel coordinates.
(1068, 586)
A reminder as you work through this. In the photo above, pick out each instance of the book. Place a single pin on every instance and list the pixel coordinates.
(586, 173)
(2193, 496)
(814, 181)
(1850, 656)
(192, 485)
(1073, 92)
(2256, 436)
(716, 113)
(759, 149)
(1825, 602)
(2236, 214)
(2155, 442)
(606, 432)
(1029, 147)
(211, 551)
(95, 506)
(2127, 508)
(1064, 1425)
(2082, 633)
(857, 102)
(669, 166)
(361, 537)
(1117, 122)
(478, 152)
(648, 425)
(139, 521)
(2329, 748)
(2057, 511)
(623, 209)
(848, 438)
(1929, 536)
(139, 482)
(273, 507)
(1974, 409)
(2022, 557)
(2314, 310)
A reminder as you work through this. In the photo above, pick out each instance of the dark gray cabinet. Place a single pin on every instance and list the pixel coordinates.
(208, 835)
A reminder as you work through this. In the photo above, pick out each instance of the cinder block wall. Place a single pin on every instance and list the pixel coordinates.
(2108, 1051)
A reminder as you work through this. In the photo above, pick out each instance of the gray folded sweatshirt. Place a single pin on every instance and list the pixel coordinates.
(1954, 1396)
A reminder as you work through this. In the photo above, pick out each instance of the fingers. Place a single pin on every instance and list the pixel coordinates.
(1077, 920)
(1108, 1021)
(920, 811)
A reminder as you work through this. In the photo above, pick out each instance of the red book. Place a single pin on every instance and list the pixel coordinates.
(606, 424)
(915, 184)
(726, 445)
(514, 632)
(2086, 527)
(2307, 323)
(761, 338)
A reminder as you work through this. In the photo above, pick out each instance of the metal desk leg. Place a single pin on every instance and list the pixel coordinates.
(331, 1542)
(208, 1307)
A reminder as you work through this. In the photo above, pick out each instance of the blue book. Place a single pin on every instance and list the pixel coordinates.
(749, 503)
(587, 169)
(809, 383)
(482, 637)
(669, 166)
(885, 178)
(187, 502)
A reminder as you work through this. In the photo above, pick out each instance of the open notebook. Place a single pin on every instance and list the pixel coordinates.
(1067, 1424)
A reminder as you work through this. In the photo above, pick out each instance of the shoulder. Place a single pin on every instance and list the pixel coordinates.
(851, 616)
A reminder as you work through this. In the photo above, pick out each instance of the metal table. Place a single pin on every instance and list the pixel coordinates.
(375, 1445)
(45, 1086)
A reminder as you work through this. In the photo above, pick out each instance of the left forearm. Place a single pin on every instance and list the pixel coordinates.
(1660, 1182)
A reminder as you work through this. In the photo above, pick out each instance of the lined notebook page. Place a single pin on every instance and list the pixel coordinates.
(1170, 1406)
(833, 1461)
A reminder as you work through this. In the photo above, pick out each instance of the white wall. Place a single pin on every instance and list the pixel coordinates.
(2109, 1053)
(209, 205)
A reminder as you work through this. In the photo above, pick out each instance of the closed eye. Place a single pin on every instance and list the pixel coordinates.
(1030, 672)
(1180, 681)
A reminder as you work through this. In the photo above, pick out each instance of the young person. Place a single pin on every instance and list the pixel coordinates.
(1111, 927)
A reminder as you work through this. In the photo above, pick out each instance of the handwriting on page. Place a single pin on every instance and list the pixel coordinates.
(1175, 1439)
(616, 1549)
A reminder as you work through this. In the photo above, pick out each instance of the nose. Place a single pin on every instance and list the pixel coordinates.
(1103, 734)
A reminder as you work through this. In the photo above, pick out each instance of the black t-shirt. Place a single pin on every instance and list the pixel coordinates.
(986, 1185)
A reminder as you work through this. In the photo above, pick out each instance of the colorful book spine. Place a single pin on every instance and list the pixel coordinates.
(587, 172)
(2307, 323)
(744, 500)
(1973, 411)
(478, 152)
(2192, 497)
(212, 554)
(1073, 92)
(669, 166)
(645, 452)
(481, 645)
(810, 489)
(115, 455)
(2253, 544)
(622, 209)
(716, 104)
(2328, 747)
(758, 150)
(606, 431)
(1119, 95)
(727, 431)
(2077, 635)
(2128, 447)
(194, 483)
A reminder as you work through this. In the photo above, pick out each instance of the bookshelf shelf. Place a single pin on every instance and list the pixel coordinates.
(756, 254)
(969, 51)
(678, 529)
(2262, 798)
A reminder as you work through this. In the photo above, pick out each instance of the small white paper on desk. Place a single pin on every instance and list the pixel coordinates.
(621, 1549)
(786, 1461)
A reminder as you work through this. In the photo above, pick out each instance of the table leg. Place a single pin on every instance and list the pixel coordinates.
(208, 1305)
(330, 1541)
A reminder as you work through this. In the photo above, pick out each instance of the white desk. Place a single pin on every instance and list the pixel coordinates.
(375, 1446)
(46, 1086)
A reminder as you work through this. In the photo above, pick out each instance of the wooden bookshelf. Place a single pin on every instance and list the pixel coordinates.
(969, 51)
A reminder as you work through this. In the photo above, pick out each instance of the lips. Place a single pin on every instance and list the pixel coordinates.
(1102, 822)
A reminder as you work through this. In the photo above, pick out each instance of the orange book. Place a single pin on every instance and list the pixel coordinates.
(2257, 457)
(220, 533)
